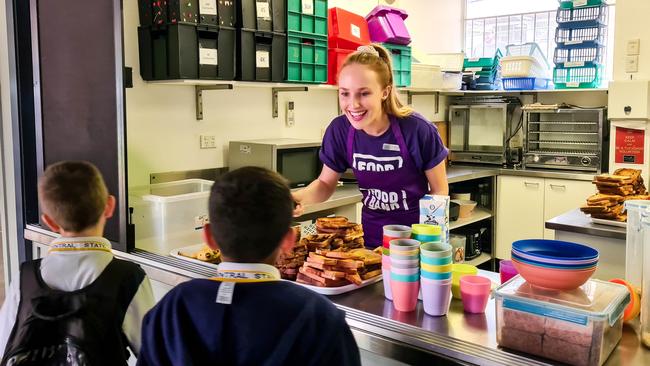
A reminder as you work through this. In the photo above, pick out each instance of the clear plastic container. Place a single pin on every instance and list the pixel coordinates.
(426, 76)
(458, 247)
(169, 215)
(645, 300)
(634, 242)
(579, 327)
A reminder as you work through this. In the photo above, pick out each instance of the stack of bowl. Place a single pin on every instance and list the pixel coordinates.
(554, 264)
(405, 273)
(435, 277)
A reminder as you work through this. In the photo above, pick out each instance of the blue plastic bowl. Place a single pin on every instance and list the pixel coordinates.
(555, 249)
(555, 266)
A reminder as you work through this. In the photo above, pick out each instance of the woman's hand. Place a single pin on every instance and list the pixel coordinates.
(298, 208)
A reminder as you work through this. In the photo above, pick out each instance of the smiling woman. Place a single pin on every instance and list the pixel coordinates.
(396, 155)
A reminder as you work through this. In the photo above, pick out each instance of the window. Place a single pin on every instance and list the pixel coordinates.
(492, 24)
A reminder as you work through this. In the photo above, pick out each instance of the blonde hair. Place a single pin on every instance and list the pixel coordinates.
(380, 62)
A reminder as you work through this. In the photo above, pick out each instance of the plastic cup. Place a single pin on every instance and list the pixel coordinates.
(395, 232)
(385, 274)
(426, 229)
(436, 296)
(435, 261)
(394, 255)
(445, 268)
(404, 271)
(425, 238)
(435, 275)
(405, 293)
(457, 271)
(475, 293)
(405, 263)
(435, 250)
(401, 245)
(507, 270)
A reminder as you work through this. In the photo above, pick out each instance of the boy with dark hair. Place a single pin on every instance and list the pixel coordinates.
(247, 315)
(78, 301)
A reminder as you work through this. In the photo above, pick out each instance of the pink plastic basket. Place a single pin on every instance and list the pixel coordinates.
(386, 24)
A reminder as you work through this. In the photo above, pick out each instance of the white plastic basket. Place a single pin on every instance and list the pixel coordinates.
(169, 215)
(527, 49)
(521, 67)
(426, 76)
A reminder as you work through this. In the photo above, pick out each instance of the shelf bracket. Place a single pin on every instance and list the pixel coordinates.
(198, 91)
(275, 91)
(436, 94)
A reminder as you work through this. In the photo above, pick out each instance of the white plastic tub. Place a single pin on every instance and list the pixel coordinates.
(169, 215)
(426, 76)
(521, 67)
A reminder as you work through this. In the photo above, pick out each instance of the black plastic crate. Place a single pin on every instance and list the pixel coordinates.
(182, 12)
(183, 51)
(217, 12)
(152, 12)
(262, 15)
(261, 56)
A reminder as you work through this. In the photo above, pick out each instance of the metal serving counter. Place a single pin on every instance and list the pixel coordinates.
(458, 338)
(577, 222)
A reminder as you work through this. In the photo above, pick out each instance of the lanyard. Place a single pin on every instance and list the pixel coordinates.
(244, 276)
(87, 245)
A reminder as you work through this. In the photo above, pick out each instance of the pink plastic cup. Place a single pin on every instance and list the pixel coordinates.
(507, 270)
(385, 273)
(405, 294)
(436, 296)
(475, 293)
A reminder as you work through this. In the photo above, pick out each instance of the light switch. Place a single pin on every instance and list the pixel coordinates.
(633, 47)
(631, 63)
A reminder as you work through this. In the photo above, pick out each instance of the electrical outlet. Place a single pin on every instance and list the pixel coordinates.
(291, 118)
(631, 63)
(208, 142)
(633, 47)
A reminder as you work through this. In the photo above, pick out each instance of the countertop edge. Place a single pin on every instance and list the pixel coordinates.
(575, 221)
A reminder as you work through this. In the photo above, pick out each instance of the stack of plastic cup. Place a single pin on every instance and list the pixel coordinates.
(405, 273)
(507, 270)
(457, 271)
(475, 293)
(426, 233)
(435, 277)
(391, 232)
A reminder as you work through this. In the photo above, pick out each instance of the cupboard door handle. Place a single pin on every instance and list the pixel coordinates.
(534, 184)
(559, 186)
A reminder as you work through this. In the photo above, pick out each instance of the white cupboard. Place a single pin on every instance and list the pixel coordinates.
(524, 204)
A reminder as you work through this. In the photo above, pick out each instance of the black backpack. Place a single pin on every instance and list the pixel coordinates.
(78, 328)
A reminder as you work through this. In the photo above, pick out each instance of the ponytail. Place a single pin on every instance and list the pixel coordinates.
(380, 62)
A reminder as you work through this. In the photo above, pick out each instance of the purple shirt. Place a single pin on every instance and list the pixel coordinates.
(421, 136)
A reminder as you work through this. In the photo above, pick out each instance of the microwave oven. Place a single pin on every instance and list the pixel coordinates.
(295, 159)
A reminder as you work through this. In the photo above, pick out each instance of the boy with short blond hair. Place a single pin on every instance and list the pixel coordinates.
(78, 301)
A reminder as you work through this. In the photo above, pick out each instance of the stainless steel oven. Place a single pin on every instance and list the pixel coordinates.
(481, 129)
(567, 139)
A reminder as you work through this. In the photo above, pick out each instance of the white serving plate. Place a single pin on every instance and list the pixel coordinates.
(341, 289)
(609, 222)
(191, 249)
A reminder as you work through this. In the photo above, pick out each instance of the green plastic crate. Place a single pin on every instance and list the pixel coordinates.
(306, 58)
(401, 57)
(570, 4)
(486, 63)
(577, 77)
(307, 16)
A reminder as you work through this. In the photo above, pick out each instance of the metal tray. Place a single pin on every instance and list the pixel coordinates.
(341, 289)
(190, 249)
(609, 222)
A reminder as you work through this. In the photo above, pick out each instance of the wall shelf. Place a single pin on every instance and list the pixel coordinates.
(478, 214)
(482, 258)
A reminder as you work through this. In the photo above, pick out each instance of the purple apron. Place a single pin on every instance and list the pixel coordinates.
(391, 186)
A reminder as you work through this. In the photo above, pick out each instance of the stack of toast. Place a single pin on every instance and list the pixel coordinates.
(345, 234)
(614, 189)
(288, 263)
(334, 268)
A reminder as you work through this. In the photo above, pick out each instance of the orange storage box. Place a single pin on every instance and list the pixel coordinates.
(346, 30)
(335, 57)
